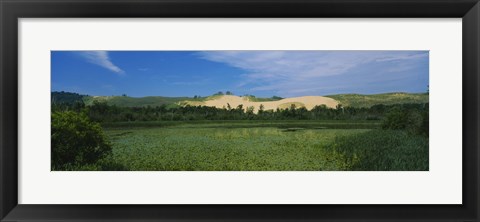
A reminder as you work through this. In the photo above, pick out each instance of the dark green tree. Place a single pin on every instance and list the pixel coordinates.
(76, 140)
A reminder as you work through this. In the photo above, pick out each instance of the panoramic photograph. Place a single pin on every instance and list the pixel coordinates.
(240, 110)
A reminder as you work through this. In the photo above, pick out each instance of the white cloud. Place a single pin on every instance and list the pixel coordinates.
(102, 59)
(293, 72)
(406, 56)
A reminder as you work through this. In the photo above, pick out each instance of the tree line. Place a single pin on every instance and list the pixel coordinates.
(103, 112)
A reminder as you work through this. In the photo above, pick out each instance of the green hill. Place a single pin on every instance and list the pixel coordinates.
(66, 97)
(358, 100)
(125, 101)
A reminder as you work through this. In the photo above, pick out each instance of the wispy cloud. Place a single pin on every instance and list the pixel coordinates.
(102, 59)
(294, 72)
(403, 56)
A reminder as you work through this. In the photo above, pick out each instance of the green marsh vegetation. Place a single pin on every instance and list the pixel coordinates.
(169, 138)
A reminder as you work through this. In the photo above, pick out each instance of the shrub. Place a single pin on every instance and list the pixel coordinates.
(414, 121)
(425, 123)
(76, 140)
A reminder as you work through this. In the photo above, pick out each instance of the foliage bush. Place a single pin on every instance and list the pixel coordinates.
(414, 121)
(76, 140)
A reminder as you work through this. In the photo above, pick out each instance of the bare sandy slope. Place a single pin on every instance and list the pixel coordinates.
(305, 101)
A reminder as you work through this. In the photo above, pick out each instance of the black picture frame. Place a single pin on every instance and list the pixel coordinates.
(12, 10)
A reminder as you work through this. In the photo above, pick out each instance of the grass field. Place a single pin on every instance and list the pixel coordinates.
(263, 146)
(307, 124)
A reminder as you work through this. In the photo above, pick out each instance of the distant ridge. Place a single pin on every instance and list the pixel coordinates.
(353, 100)
(359, 100)
(126, 101)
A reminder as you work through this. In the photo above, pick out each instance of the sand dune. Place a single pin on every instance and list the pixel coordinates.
(305, 101)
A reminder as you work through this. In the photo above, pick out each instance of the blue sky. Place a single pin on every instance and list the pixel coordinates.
(259, 73)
